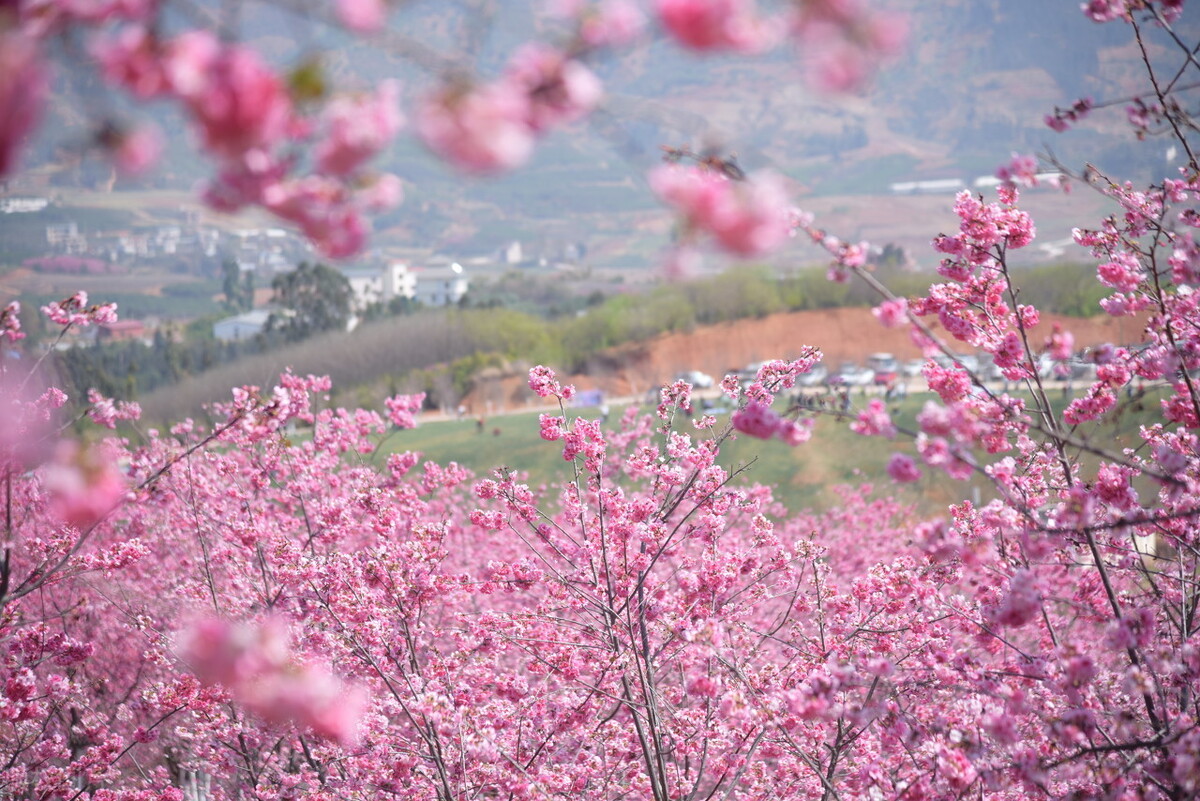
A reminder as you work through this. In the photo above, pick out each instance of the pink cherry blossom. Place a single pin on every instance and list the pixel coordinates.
(137, 150)
(1020, 604)
(75, 311)
(844, 43)
(402, 409)
(1104, 10)
(26, 421)
(83, 483)
(235, 100)
(362, 16)
(757, 420)
(544, 382)
(714, 24)
(892, 312)
(256, 665)
(874, 421)
(10, 322)
(749, 218)
(478, 129)
(1020, 171)
(324, 210)
(358, 127)
(794, 433)
(133, 58)
(23, 87)
(559, 89)
(902, 468)
(610, 23)
(107, 412)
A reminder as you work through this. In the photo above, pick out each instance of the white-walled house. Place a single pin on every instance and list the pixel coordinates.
(366, 286)
(440, 285)
(241, 326)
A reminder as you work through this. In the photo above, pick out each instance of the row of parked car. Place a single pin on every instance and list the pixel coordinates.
(884, 369)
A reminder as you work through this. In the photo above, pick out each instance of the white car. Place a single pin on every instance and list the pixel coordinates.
(698, 379)
(852, 375)
(814, 377)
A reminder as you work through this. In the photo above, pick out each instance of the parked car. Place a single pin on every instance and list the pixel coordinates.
(814, 377)
(988, 371)
(1080, 369)
(1045, 366)
(884, 367)
(749, 374)
(697, 379)
(967, 362)
(851, 374)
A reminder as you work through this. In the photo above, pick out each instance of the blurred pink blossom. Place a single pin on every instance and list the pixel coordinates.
(10, 322)
(358, 128)
(133, 58)
(25, 421)
(1021, 170)
(560, 89)
(83, 483)
(844, 42)
(715, 24)
(478, 129)
(107, 412)
(23, 86)
(47, 16)
(891, 312)
(747, 218)
(757, 420)
(1019, 605)
(611, 23)
(137, 150)
(902, 468)
(362, 16)
(381, 193)
(323, 209)
(256, 665)
(794, 433)
(237, 102)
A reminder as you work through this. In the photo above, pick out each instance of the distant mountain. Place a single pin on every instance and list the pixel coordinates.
(973, 86)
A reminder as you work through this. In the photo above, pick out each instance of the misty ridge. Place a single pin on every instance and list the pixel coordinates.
(973, 84)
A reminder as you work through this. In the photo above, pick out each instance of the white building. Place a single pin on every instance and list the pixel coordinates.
(399, 281)
(66, 237)
(23, 205)
(439, 285)
(241, 326)
(366, 286)
(937, 187)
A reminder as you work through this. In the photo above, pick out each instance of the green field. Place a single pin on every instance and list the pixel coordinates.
(802, 477)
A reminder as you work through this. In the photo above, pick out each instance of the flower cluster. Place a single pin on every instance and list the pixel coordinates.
(402, 409)
(758, 420)
(544, 383)
(108, 412)
(483, 128)
(10, 322)
(75, 311)
(745, 218)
